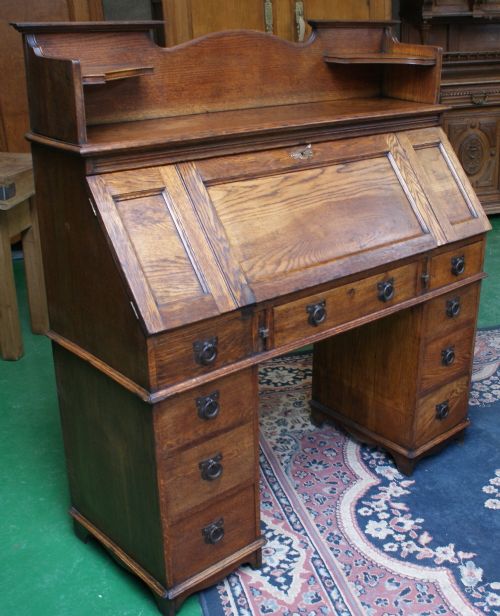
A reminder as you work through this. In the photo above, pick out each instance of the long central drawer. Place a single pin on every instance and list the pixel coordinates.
(323, 311)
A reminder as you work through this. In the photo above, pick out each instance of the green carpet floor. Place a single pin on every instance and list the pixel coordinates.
(44, 570)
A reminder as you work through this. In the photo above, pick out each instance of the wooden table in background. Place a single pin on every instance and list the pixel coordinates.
(18, 216)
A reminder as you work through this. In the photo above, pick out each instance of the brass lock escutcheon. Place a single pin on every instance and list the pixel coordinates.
(212, 468)
(458, 265)
(214, 533)
(386, 290)
(208, 406)
(442, 410)
(205, 351)
(303, 153)
(453, 307)
(317, 313)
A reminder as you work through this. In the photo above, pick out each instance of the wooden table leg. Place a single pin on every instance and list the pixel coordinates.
(11, 342)
(34, 275)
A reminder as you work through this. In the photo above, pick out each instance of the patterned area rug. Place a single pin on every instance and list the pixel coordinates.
(348, 534)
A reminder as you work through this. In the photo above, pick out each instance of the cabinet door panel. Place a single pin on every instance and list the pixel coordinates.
(475, 138)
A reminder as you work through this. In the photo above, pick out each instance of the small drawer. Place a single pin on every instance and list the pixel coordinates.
(457, 264)
(446, 357)
(441, 410)
(199, 474)
(213, 534)
(202, 347)
(214, 407)
(301, 318)
(445, 313)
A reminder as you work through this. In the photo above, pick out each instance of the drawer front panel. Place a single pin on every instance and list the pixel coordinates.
(196, 475)
(441, 410)
(201, 412)
(190, 552)
(450, 311)
(446, 357)
(295, 321)
(456, 265)
(200, 348)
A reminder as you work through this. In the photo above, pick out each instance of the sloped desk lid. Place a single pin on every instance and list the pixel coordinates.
(198, 239)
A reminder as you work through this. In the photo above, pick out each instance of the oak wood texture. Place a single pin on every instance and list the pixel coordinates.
(441, 265)
(345, 303)
(351, 385)
(186, 235)
(150, 96)
(235, 400)
(469, 33)
(436, 318)
(182, 485)
(18, 217)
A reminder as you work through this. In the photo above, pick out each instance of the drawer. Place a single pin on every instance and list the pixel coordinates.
(301, 318)
(446, 357)
(211, 408)
(202, 347)
(445, 313)
(199, 474)
(456, 264)
(441, 410)
(235, 518)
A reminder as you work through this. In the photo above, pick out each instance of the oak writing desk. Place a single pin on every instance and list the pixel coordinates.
(206, 207)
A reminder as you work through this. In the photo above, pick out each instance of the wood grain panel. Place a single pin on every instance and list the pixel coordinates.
(215, 64)
(87, 297)
(433, 372)
(189, 552)
(427, 425)
(436, 320)
(177, 422)
(344, 303)
(164, 252)
(13, 96)
(446, 183)
(110, 455)
(440, 268)
(368, 375)
(173, 274)
(447, 193)
(172, 354)
(181, 484)
(286, 228)
(209, 16)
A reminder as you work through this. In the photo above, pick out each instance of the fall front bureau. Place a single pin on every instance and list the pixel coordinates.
(207, 207)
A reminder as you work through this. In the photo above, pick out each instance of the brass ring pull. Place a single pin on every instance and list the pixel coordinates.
(317, 313)
(212, 468)
(386, 290)
(442, 410)
(453, 307)
(214, 533)
(448, 356)
(208, 406)
(458, 265)
(205, 351)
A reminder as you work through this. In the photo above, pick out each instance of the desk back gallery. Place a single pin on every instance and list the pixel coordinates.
(209, 206)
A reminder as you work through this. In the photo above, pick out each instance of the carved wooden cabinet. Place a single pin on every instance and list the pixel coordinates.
(206, 207)
(469, 32)
(187, 19)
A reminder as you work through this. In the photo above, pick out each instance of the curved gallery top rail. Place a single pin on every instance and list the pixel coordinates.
(105, 73)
